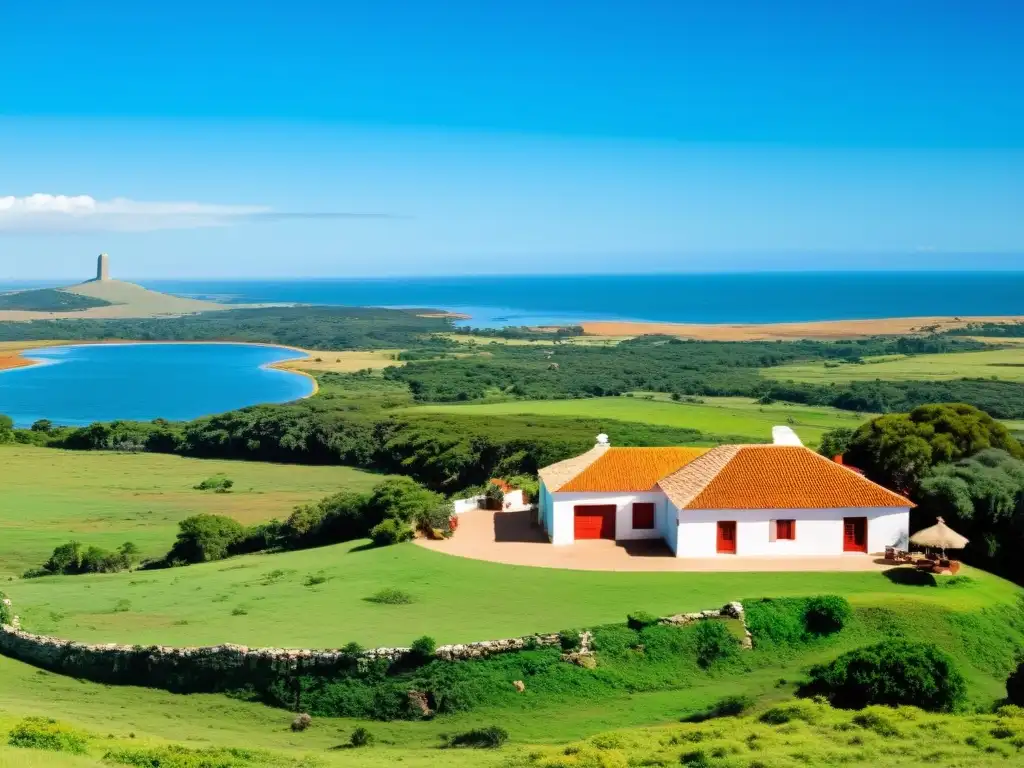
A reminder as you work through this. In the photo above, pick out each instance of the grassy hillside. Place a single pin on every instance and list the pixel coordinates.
(1003, 364)
(456, 599)
(104, 499)
(49, 300)
(716, 415)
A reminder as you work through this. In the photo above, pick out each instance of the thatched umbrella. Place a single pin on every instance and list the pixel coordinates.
(939, 536)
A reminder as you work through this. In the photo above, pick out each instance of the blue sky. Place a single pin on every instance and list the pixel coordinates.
(527, 137)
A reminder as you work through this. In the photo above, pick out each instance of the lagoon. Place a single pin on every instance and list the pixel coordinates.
(77, 385)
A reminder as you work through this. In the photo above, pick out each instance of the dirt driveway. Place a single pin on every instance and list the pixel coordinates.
(509, 537)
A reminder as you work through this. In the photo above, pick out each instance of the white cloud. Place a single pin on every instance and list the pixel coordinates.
(64, 213)
(42, 212)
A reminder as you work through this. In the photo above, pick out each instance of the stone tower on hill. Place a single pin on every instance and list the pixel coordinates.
(103, 267)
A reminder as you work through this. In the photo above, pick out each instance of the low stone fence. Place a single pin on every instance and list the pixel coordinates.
(223, 667)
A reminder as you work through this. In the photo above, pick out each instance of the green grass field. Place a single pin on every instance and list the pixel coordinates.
(456, 599)
(1004, 364)
(734, 416)
(51, 497)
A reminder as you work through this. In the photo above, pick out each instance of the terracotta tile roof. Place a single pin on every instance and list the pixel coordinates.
(555, 475)
(629, 469)
(773, 477)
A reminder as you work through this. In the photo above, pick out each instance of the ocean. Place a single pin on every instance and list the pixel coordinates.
(765, 297)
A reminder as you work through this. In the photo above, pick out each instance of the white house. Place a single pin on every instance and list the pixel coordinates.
(780, 499)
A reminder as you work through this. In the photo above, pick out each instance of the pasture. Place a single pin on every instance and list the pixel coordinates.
(51, 497)
(271, 599)
(1002, 364)
(736, 417)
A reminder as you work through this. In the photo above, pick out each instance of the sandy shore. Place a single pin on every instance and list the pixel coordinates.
(826, 329)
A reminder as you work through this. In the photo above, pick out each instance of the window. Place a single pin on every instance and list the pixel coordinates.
(643, 516)
(785, 529)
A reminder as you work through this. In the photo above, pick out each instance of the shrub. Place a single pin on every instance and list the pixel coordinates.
(391, 597)
(1014, 685)
(361, 737)
(389, 532)
(352, 649)
(204, 538)
(779, 621)
(730, 706)
(67, 558)
(713, 641)
(490, 737)
(423, 648)
(893, 672)
(314, 579)
(301, 722)
(494, 497)
(570, 640)
(216, 483)
(6, 614)
(827, 614)
(43, 733)
(175, 756)
(436, 518)
(640, 619)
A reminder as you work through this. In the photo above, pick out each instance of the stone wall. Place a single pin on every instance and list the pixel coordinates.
(223, 667)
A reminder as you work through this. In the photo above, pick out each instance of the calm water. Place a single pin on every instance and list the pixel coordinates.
(78, 385)
(699, 298)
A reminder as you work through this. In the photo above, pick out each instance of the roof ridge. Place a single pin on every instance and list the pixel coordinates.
(554, 476)
(686, 483)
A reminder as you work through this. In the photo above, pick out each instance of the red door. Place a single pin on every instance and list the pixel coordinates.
(855, 534)
(726, 537)
(594, 521)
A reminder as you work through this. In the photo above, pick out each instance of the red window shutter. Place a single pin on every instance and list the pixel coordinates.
(643, 516)
(785, 529)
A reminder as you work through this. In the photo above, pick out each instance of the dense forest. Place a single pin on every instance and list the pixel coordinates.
(308, 327)
(48, 300)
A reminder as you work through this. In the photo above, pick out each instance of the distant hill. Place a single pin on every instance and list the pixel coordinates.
(141, 301)
(51, 300)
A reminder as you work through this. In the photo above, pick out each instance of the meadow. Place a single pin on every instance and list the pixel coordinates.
(1001, 364)
(733, 416)
(101, 498)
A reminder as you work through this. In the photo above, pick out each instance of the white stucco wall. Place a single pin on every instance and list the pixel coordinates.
(564, 514)
(818, 531)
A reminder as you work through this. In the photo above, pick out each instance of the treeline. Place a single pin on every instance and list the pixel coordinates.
(308, 327)
(1009, 330)
(445, 452)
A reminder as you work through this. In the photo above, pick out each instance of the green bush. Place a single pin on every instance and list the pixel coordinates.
(389, 532)
(204, 538)
(360, 737)
(175, 756)
(490, 737)
(713, 642)
(216, 483)
(1015, 686)
(43, 733)
(640, 619)
(6, 614)
(352, 649)
(436, 518)
(390, 596)
(776, 621)
(570, 640)
(730, 706)
(494, 497)
(423, 648)
(826, 614)
(892, 673)
(615, 640)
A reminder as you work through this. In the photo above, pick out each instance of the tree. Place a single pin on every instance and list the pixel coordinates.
(981, 497)
(6, 429)
(898, 449)
(67, 558)
(42, 425)
(202, 538)
(835, 442)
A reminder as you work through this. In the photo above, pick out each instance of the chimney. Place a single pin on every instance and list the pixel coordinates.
(838, 458)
